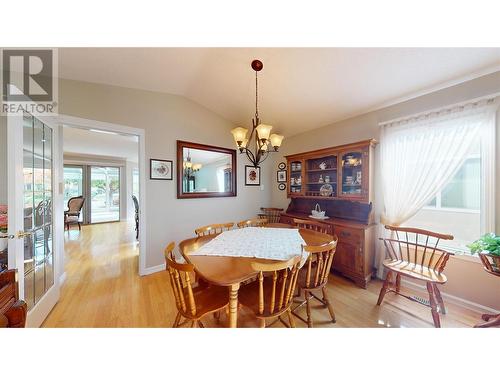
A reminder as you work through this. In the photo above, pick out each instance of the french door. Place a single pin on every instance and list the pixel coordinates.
(100, 186)
(30, 230)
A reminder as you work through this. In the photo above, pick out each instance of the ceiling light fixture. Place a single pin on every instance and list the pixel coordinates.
(261, 133)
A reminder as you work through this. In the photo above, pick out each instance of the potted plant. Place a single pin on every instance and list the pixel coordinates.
(488, 249)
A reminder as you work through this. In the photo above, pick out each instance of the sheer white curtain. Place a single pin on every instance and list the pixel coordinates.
(420, 155)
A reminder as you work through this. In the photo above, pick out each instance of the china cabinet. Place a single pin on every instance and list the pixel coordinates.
(339, 180)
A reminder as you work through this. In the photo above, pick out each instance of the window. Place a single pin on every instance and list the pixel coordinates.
(456, 209)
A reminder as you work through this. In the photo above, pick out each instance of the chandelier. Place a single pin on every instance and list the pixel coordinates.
(189, 167)
(260, 139)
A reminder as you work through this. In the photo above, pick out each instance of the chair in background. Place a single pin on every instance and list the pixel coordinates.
(313, 277)
(312, 225)
(271, 296)
(252, 223)
(136, 208)
(72, 214)
(213, 229)
(271, 214)
(192, 302)
(12, 310)
(418, 258)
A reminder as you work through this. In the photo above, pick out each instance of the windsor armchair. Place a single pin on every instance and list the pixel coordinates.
(313, 225)
(271, 296)
(417, 258)
(213, 229)
(313, 277)
(272, 215)
(192, 302)
(252, 223)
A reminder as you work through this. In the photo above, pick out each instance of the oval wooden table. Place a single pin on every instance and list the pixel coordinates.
(232, 271)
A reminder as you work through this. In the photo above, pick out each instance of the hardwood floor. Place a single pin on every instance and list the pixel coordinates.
(103, 289)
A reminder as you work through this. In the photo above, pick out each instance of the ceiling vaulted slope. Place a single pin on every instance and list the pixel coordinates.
(299, 88)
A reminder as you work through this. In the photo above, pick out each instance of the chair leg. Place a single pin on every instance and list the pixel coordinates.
(193, 323)
(442, 308)
(308, 306)
(385, 287)
(290, 318)
(432, 299)
(398, 282)
(200, 324)
(79, 226)
(262, 323)
(177, 318)
(329, 305)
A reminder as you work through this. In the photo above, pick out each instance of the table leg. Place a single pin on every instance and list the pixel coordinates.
(233, 305)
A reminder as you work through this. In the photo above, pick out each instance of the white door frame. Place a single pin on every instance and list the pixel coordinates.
(82, 123)
(40, 311)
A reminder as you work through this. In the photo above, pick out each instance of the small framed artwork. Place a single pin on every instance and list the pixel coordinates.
(281, 186)
(160, 169)
(281, 166)
(281, 176)
(252, 175)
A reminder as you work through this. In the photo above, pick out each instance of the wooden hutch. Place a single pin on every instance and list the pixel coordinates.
(339, 180)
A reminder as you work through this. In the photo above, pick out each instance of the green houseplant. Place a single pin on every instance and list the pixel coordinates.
(488, 245)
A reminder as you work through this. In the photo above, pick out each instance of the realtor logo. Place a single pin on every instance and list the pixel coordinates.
(29, 80)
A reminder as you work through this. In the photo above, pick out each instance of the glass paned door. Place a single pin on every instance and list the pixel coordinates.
(37, 210)
(73, 184)
(105, 194)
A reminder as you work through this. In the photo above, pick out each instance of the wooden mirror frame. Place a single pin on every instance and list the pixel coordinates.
(180, 160)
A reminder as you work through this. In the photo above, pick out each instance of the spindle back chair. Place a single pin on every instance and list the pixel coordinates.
(414, 253)
(312, 225)
(252, 223)
(272, 214)
(192, 302)
(314, 277)
(272, 296)
(213, 229)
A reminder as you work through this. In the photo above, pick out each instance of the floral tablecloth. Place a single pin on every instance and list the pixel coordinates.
(264, 243)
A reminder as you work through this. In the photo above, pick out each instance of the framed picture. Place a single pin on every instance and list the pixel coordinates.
(160, 169)
(252, 175)
(281, 166)
(281, 186)
(281, 176)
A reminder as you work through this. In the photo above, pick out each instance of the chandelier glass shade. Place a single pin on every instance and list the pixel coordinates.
(260, 139)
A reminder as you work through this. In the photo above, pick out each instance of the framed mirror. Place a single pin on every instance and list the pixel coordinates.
(205, 171)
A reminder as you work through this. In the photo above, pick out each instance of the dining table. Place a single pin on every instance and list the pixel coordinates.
(231, 271)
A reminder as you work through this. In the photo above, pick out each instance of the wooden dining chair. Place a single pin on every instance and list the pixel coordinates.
(313, 277)
(252, 223)
(272, 214)
(213, 229)
(192, 302)
(272, 296)
(414, 253)
(312, 225)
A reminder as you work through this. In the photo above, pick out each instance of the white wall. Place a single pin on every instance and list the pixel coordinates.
(465, 279)
(130, 166)
(167, 118)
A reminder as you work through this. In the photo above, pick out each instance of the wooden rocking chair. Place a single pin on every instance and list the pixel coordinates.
(418, 258)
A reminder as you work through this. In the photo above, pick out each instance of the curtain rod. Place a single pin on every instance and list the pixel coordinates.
(488, 98)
